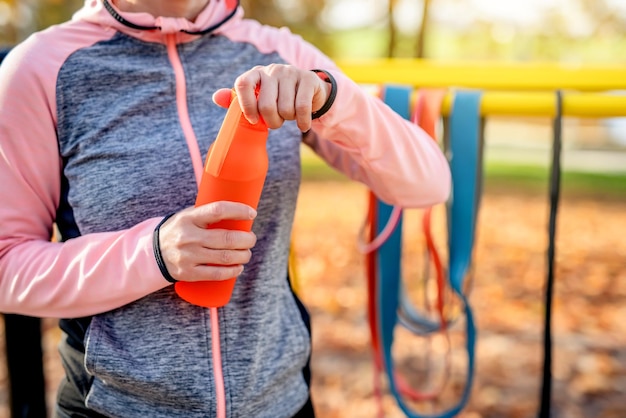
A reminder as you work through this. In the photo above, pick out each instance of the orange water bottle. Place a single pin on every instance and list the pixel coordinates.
(235, 170)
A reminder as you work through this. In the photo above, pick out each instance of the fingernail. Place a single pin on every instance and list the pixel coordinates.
(252, 213)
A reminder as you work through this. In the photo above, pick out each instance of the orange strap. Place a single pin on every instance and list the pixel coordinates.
(429, 108)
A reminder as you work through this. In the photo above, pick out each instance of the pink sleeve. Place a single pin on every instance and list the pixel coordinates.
(360, 135)
(83, 276)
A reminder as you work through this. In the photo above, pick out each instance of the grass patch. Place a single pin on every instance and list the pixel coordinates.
(529, 178)
(500, 177)
(316, 169)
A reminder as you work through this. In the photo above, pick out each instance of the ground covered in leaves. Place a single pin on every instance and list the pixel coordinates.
(506, 295)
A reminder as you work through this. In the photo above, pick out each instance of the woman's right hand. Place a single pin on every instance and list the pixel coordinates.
(193, 253)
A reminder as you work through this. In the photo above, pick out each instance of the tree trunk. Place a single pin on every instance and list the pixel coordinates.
(392, 30)
(421, 36)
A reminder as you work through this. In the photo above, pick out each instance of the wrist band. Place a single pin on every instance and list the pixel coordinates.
(156, 247)
(331, 97)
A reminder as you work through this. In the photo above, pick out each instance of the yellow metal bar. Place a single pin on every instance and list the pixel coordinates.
(487, 75)
(510, 89)
(593, 105)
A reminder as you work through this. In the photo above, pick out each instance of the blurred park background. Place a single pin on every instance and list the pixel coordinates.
(553, 30)
(509, 263)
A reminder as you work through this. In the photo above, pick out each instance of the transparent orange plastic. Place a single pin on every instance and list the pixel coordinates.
(235, 170)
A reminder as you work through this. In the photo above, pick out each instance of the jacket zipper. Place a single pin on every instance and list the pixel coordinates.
(198, 166)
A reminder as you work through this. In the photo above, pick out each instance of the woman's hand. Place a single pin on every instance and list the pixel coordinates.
(192, 252)
(285, 93)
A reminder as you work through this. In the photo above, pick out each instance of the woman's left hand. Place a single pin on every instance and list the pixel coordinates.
(284, 93)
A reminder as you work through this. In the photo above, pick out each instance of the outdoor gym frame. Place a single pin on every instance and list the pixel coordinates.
(512, 89)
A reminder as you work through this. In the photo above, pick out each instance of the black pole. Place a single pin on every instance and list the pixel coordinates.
(25, 366)
(555, 187)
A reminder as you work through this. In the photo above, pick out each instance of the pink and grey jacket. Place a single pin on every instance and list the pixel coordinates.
(104, 128)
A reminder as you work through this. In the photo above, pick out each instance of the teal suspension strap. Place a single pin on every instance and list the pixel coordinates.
(465, 128)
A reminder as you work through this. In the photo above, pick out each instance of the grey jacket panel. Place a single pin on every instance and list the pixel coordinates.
(126, 160)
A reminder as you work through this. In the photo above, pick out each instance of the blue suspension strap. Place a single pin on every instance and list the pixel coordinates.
(380, 214)
(465, 157)
(465, 130)
(402, 97)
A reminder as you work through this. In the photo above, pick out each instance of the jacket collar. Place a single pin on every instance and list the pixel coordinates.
(213, 17)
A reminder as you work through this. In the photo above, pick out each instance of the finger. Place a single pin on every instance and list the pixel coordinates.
(245, 88)
(286, 98)
(304, 103)
(320, 92)
(227, 239)
(223, 97)
(204, 272)
(211, 213)
(268, 102)
(222, 257)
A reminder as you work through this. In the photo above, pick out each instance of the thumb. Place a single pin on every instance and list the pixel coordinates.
(222, 97)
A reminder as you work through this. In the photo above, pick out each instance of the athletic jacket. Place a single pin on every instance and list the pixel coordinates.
(104, 127)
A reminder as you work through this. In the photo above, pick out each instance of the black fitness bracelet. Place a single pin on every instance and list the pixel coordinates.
(156, 247)
(331, 97)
